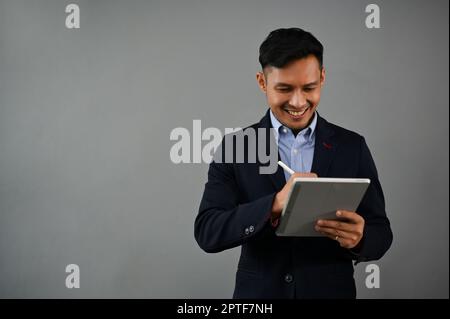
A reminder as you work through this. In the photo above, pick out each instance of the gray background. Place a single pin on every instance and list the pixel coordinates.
(85, 118)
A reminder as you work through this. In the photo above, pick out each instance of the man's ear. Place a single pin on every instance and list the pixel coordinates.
(261, 79)
(322, 76)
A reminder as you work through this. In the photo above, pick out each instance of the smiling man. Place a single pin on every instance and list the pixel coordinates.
(293, 92)
(241, 207)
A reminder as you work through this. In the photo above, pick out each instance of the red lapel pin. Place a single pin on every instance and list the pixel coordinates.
(327, 146)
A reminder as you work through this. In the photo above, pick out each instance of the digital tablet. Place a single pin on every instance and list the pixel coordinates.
(311, 199)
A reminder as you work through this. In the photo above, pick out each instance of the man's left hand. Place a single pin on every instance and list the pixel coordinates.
(348, 230)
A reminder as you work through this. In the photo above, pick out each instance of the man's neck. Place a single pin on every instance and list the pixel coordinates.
(296, 131)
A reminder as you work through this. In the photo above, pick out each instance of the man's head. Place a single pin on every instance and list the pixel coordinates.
(292, 75)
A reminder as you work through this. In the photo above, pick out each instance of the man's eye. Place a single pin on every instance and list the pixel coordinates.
(308, 89)
(283, 89)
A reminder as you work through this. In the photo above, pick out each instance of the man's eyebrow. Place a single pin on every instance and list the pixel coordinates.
(312, 83)
(282, 84)
(289, 85)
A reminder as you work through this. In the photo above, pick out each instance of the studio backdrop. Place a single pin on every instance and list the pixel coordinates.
(91, 92)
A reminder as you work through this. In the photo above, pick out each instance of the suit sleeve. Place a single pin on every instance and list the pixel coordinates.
(377, 237)
(222, 221)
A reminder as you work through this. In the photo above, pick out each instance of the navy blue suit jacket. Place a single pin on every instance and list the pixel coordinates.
(236, 207)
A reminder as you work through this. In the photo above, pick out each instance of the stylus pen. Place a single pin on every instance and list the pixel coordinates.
(286, 168)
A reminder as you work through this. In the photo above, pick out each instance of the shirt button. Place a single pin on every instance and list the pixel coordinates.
(288, 278)
(284, 130)
(295, 151)
(251, 229)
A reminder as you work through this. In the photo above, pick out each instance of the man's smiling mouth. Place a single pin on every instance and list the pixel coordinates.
(297, 113)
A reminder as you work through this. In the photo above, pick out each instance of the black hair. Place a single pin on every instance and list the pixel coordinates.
(283, 46)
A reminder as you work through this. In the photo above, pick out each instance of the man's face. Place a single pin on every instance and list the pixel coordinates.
(293, 92)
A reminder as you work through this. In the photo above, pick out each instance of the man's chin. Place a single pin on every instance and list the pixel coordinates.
(298, 125)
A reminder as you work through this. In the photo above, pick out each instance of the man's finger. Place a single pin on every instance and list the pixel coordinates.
(343, 242)
(298, 174)
(333, 233)
(352, 216)
(346, 243)
(341, 225)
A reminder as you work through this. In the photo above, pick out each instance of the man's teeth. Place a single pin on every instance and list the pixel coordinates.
(297, 113)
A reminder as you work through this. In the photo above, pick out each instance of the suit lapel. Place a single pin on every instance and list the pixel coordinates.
(278, 179)
(324, 148)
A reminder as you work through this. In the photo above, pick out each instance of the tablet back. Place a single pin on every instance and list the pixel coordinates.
(311, 199)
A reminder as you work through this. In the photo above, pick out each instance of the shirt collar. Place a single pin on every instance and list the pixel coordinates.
(308, 131)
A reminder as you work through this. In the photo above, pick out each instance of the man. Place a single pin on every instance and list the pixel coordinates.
(240, 206)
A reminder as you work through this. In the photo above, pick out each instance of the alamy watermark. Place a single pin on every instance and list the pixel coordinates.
(73, 17)
(236, 145)
(373, 19)
(373, 278)
(73, 279)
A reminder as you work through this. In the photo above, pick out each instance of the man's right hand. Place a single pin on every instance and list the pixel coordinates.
(281, 196)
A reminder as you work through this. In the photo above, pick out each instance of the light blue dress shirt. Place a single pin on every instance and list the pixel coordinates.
(295, 151)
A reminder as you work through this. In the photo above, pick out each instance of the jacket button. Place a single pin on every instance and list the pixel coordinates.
(247, 231)
(251, 229)
(288, 278)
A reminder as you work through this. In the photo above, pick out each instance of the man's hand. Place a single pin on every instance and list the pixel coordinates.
(348, 230)
(281, 196)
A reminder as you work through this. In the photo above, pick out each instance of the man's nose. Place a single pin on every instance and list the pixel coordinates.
(298, 100)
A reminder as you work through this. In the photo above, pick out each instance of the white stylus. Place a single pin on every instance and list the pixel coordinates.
(286, 168)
